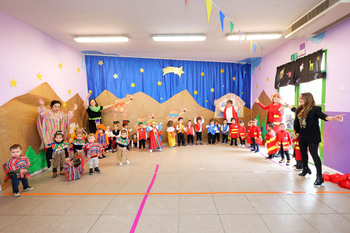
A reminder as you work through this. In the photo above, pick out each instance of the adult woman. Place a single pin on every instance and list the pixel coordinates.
(94, 112)
(52, 120)
(275, 111)
(229, 110)
(306, 126)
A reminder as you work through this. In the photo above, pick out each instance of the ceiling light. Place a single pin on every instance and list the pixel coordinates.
(179, 37)
(100, 39)
(255, 36)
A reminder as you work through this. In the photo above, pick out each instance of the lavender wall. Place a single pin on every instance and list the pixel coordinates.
(26, 51)
(336, 42)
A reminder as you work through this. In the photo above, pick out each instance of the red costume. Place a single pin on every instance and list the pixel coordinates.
(242, 131)
(198, 127)
(234, 130)
(249, 140)
(283, 138)
(255, 132)
(189, 130)
(274, 115)
(271, 142)
(234, 114)
(155, 142)
(297, 153)
(142, 134)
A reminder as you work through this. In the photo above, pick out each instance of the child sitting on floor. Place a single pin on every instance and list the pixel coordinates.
(73, 168)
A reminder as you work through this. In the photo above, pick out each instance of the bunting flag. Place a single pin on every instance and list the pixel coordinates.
(222, 17)
(240, 36)
(251, 46)
(254, 47)
(185, 2)
(231, 27)
(209, 6)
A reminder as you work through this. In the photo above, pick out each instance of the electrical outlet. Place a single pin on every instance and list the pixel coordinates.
(342, 88)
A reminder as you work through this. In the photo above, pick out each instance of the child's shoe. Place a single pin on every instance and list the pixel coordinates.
(187, 144)
(91, 171)
(150, 150)
(288, 162)
(54, 174)
(144, 149)
(120, 164)
(28, 189)
(140, 150)
(104, 156)
(281, 161)
(201, 143)
(193, 144)
(97, 170)
(16, 194)
(160, 150)
(127, 162)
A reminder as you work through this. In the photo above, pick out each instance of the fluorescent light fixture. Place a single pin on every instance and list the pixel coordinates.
(255, 36)
(179, 37)
(101, 39)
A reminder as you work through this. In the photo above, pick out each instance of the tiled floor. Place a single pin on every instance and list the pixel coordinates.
(199, 189)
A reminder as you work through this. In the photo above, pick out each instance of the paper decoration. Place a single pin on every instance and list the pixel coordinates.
(132, 85)
(212, 90)
(60, 66)
(69, 91)
(100, 63)
(13, 83)
(115, 76)
(195, 92)
(175, 70)
(202, 74)
(251, 46)
(222, 17)
(254, 48)
(39, 76)
(78, 69)
(222, 71)
(231, 27)
(159, 83)
(209, 6)
(141, 70)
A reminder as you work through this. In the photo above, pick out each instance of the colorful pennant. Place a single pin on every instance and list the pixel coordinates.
(209, 6)
(231, 27)
(222, 17)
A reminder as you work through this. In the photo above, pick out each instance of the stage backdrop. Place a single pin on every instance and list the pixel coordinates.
(161, 78)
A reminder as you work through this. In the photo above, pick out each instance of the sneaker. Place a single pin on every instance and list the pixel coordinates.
(281, 161)
(28, 189)
(144, 149)
(91, 172)
(256, 151)
(140, 150)
(288, 163)
(160, 150)
(16, 194)
(120, 164)
(127, 162)
(150, 150)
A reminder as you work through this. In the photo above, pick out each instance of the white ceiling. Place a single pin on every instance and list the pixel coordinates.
(139, 19)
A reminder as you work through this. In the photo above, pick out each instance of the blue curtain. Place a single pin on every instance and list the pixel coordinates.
(205, 81)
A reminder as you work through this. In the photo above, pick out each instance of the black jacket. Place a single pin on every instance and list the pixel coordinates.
(312, 132)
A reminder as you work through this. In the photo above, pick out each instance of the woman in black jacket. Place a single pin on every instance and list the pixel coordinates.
(306, 126)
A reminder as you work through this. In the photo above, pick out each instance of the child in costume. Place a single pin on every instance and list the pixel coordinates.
(17, 169)
(93, 150)
(109, 134)
(78, 145)
(233, 131)
(126, 127)
(102, 138)
(224, 129)
(189, 129)
(171, 134)
(73, 168)
(297, 154)
(249, 139)
(242, 132)
(134, 140)
(271, 141)
(116, 134)
(198, 128)
(155, 141)
(141, 136)
(180, 128)
(211, 131)
(123, 142)
(217, 132)
(57, 153)
(284, 142)
(255, 134)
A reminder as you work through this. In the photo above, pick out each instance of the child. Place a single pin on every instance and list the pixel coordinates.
(249, 139)
(141, 136)
(296, 153)
(189, 132)
(171, 134)
(78, 145)
(134, 140)
(242, 133)
(57, 153)
(116, 134)
(233, 131)
(109, 135)
(17, 168)
(123, 142)
(271, 141)
(198, 128)
(102, 138)
(255, 134)
(211, 131)
(93, 151)
(284, 142)
(125, 127)
(217, 132)
(180, 128)
(224, 129)
(155, 141)
(73, 168)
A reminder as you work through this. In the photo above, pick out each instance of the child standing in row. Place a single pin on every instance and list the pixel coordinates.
(249, 139)
(255, 134)
(57, 153)
(155, 140)
(271, 141)
(189, 132)
(198, 129)
(233, 131)
(284, 142)
(224, 129)
(242, 132)
(296, 153)
(211, 131)
(180, 128)
(78, 144)
(109, 135)
(102, 138)
(217, 132)
(93, 151)
(116, 134)
(17, 168)
(171, 134)
(123, 143)
(141, 136)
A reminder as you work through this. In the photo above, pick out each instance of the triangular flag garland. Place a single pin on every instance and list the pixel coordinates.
(231, 26)
(254, 47)
(222, 17)
(209, 6)
(251, 46)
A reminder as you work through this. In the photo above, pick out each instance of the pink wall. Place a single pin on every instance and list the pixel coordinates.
(25, 51)
(336, 41)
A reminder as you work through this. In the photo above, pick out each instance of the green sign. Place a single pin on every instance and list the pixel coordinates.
(294, 56)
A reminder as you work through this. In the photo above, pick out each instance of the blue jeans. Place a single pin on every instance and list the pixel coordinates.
(15, 183)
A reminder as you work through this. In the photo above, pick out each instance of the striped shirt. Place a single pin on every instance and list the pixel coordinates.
(18, 163)
(93, 149)
(72, 173)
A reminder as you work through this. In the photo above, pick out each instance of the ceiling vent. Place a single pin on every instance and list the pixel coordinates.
(325, 15)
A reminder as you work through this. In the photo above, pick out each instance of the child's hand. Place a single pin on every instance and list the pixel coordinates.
(50, 160)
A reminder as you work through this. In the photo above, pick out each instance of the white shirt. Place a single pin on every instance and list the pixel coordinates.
(170, 129)
(229, 113)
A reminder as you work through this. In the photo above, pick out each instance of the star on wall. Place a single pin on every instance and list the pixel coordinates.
(234, 78)
(78, 69)
(257, 86)
(202, 74)
(242, 92)
(100, 63)
(69, 91)
(267, 79)
(60, 66)
(13, 83)
(245, 72)
(206, 101)
(222, 71)
(159, 83)
(161, 98)
(141, 70)
(115, 76)
(223, 85)
(64, 104)
(195, 92)
(39, 76)
(132, 85)
(212, 90)
(90, 91)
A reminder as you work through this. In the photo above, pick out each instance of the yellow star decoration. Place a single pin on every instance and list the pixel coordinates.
(223, 85)
(69, 91)
(13, 83)
(90, 91)
(234, 78)
(100, 63)
(115, 76)
(222, 71)
(267, 79)
(141, 70)
(38, 76)
(195, 92)
(212, 90)
(259, 67)
(159, 83)
(206, 101)
(64, 104)
(271, 96)
(60, 66)
(202, 74)
(161, 98)
(245, 72)
(132, 85)
(242, 93)
(78, 69)
(256, 85)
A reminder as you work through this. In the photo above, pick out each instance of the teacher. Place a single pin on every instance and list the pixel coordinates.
(229, 110)
(94, 113)
(306, 126)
